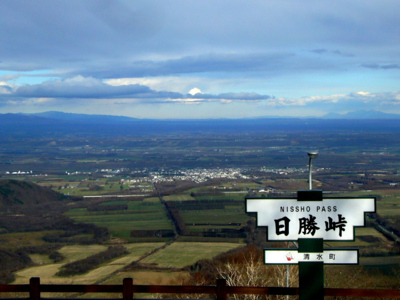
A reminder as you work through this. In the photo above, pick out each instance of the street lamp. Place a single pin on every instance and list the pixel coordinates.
(311, 155)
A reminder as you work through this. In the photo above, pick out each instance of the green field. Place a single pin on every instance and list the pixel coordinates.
(223, 196)
(232, 214)
(139, 216)
(179, 255)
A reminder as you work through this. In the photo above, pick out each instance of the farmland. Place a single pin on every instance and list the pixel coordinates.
(139, 216)
(174, 201)
(172, 257)
(179, 255)
(163, 259)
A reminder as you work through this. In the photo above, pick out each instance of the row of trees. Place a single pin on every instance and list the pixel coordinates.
(107, 207)
(152, 233)
(84, 265)
(176, 218)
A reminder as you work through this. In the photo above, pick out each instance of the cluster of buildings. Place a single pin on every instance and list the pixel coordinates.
(197, 175)
(201, 175)
(284, 171)
(19, 173)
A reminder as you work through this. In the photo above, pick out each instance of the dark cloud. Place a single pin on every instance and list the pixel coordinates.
(319, 51)
(381, 66)
(80, 87)
(90, 35)
(5, 89)
(230, 96)
(335, 52)
(89, 88)
(215, 63)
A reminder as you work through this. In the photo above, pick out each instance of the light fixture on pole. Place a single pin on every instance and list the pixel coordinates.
(311, 155)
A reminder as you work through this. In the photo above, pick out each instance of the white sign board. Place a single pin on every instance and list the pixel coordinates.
(292, 257)
(331, 219)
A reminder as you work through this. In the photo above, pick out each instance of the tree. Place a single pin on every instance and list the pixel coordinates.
(251, 271)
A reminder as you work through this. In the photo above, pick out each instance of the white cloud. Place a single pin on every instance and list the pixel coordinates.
(164, 83)
(362, 97)
(45, 100)
(195, 91)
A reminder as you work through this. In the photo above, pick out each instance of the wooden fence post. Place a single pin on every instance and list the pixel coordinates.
(128, 289)
(221, 289)
(34, 289)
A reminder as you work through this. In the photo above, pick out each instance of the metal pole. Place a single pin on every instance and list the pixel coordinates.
(311, 274)
(311, 155)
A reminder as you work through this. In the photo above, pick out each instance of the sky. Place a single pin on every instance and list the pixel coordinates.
(200, 59)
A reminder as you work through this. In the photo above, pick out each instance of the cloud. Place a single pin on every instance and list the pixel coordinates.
(130, 39)
(80, 87)
(381, 66)
(93, 89)
(231, 96)
(4, 88)
(9, 77)
(171, 83)
(195, 91)
(335, 52)
(360, 97)
(87, 87)
(233, 63)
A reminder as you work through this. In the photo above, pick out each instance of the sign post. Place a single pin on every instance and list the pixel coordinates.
(310, 219)
(311, 274)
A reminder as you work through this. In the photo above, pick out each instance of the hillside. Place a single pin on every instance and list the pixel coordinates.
(15, 192)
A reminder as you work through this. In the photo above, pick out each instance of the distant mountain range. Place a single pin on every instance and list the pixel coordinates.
(104, 119)
(354, 115)
(55, 123)
(57, 115)
(362, 115)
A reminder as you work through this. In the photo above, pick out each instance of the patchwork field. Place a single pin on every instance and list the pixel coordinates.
(199, 213)
(82, 186)
(174, 256)
(47, 272)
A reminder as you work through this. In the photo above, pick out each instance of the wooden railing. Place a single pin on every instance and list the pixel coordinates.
(220, 290)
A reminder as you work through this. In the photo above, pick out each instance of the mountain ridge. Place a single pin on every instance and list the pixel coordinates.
(17, 192)
(57, 124)
(353, 115)
(362, 115)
